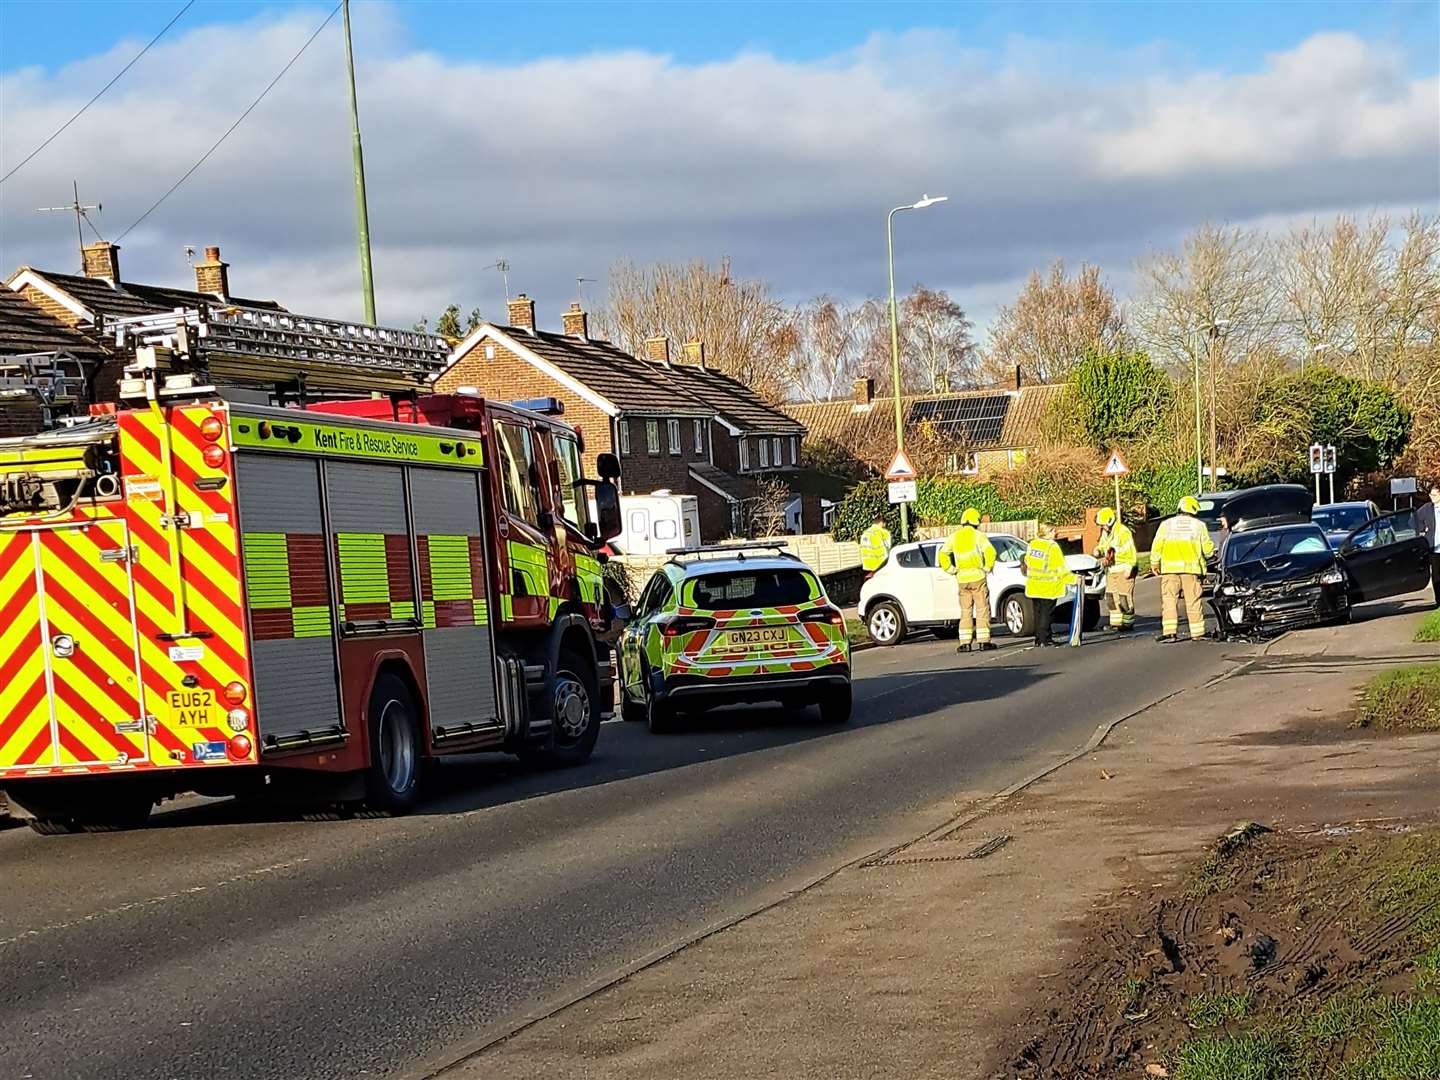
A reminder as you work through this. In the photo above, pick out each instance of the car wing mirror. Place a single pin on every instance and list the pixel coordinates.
(623, 613)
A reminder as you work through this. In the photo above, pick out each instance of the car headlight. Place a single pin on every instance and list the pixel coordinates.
(1333, 576)
(1231, 590)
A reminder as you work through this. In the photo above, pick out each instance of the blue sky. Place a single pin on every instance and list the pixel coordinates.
(1225, 34)
(564, 137)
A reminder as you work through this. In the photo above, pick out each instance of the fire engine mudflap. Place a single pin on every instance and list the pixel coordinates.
(226, 599)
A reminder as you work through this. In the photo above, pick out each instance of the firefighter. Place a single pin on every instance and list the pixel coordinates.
(875, 545)
(970, 557)
(1046, 580)
(1182, 544)
(1116, 550)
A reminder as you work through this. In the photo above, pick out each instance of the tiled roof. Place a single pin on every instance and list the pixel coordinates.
(732, 400)
(24, 328)
(129, 298)
(982, 419)
(737, 488)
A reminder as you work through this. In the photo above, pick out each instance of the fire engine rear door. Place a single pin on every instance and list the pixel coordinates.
(84, 652)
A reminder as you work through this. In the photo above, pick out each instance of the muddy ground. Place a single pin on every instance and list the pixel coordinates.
(1274, 933)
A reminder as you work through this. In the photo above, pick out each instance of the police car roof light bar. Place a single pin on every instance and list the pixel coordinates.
(738, 549)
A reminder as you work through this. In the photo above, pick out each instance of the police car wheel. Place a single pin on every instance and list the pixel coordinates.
(885, 623)
(631, 711)
(1019, 614)
(835, 705)
(392, 779)
(659, 715)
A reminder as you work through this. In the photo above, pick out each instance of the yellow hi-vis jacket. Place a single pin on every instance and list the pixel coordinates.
(968, 554)
(1120, 538)
(1182, 544)
(1045, 575)
(874, 547)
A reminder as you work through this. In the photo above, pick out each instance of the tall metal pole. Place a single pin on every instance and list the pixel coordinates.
(1199, 451)
(895, 360)
(362, 213)
(1214, 439)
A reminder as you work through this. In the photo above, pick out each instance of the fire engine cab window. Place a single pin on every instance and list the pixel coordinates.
(573, 504)
(516, 468)
(753, 588)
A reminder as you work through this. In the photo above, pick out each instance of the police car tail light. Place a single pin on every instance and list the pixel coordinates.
(833, 616)
(686, 624)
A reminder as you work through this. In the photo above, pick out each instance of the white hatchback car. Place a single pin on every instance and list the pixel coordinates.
(911, 592)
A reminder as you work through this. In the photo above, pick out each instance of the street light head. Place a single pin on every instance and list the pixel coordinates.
(928, 200)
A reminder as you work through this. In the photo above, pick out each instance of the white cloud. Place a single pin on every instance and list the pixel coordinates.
(564, 165)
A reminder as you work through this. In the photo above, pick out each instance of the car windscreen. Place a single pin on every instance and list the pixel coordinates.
(1275, 543)
(1340, 518)
(753, 589)
(1211, 507)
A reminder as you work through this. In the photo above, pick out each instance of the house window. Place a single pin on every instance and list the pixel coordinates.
(699, 438)
(764, 453)
(965, 463)
(652, 437)
(794, 450)
(623, 428)
(489, 352)
(673, 430)
(744, 456)
(775, 452)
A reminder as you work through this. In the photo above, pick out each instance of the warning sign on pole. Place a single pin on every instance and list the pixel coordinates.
(900, 468)
(903, 491)
(1116, 465)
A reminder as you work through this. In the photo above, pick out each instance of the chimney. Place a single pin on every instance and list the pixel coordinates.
(657, 349)
(1019, 377)
(213, 276)
(522, 312)
(864, 391)
(694, 351)
(577, 323)
(102, 260)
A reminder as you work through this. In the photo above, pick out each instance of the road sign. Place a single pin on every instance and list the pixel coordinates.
(901, 469)
(1317, 458)
(1330, 459)
(902, 491)
(1116, 465)
(1404, 485)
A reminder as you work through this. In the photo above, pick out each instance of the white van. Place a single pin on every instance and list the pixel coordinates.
(655, 523)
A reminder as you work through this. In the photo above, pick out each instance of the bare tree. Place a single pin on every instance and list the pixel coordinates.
(1053, 323)
(765, 510)
(833, 344)
(936, 351)
(746, 331)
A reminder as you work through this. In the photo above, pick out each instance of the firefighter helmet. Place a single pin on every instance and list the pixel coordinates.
(1189, 505)
(971, 516)
(1105, 516)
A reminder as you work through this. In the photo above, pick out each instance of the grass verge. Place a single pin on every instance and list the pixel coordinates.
(1429, 627)
(1403, 699)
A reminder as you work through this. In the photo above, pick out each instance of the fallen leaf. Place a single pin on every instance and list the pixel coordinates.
(1106, 775)
(1154, 1069)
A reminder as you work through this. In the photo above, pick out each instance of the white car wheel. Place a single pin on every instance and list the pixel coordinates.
(1017, 614)
(885, 624)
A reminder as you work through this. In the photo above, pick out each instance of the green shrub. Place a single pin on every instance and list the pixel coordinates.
(855, 513)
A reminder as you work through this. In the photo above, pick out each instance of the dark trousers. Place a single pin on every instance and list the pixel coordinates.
(1435, 575)
(1044, 616)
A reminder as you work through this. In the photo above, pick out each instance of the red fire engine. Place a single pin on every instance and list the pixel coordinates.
(207, 591)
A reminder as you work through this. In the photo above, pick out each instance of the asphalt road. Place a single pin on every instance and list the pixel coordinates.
(224, 943)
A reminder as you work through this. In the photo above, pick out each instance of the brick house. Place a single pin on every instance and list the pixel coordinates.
(989, 430)
(674, 424)
(47, 368)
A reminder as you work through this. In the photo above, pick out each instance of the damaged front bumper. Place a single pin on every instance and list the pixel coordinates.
(1272, 610)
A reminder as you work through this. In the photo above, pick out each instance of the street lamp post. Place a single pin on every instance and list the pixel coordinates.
(921, 204)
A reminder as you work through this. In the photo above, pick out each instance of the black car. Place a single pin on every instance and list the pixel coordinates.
(1283, 576)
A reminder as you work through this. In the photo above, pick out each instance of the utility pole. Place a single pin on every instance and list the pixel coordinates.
(1214, 439)
(362, 213)
(79, 211)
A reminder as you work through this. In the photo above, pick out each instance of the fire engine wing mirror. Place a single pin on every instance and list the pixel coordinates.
(607, 507)
(608, 466)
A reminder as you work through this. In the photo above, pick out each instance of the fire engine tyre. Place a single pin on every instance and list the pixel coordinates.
(885, 623)
(392, 780)
(574, 714)
(835, 705)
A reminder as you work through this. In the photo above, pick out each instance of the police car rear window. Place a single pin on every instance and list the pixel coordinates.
(753, 588)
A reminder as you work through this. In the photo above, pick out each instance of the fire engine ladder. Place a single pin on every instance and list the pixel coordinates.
(294, 354)
(48, 378)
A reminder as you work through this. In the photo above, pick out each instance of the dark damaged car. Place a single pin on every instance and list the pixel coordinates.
(1284, 576)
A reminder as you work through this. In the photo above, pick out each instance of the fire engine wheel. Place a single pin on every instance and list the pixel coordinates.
(574, 714)
(392, 780)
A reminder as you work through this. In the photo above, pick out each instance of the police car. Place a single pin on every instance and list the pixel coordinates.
(911, 592)
(728, 623)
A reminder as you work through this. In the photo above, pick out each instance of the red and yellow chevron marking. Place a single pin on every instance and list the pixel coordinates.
(141, 625)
